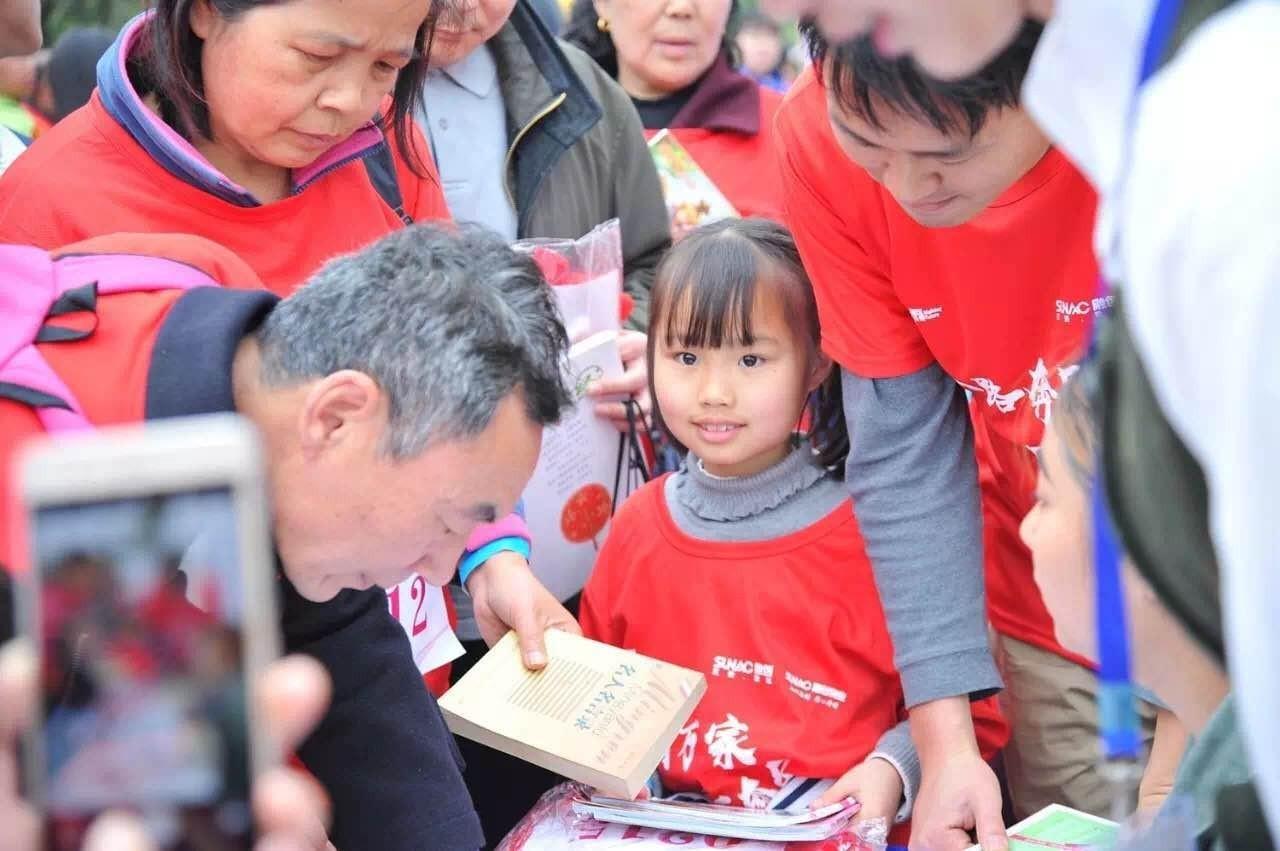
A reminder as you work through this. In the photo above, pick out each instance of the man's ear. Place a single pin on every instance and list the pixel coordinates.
(347, 407)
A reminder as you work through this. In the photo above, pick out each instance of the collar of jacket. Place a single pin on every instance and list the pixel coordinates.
(724, 100)
(549, 108)
(175, 154)
(190, 370)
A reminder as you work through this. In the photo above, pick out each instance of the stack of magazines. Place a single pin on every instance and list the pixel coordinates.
(790, 825)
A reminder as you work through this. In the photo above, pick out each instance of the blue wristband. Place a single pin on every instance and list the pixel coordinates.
(472, 560)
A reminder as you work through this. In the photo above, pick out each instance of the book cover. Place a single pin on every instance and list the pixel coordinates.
(692, 197)
(1062, 828)
(569, 501)
(595, 714)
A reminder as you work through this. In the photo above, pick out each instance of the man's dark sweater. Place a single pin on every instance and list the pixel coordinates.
(382, 752)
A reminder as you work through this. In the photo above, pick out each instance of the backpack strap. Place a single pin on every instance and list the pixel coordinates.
(40, 288)
(382, 174)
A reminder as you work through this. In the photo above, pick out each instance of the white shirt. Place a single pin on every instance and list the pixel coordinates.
(1191, 226)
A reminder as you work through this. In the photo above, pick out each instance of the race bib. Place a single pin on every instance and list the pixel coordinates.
(422, 614)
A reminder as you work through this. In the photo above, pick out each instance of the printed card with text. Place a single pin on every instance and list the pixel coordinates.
(1059, 828)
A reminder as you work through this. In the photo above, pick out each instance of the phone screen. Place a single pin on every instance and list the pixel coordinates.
(144, 698)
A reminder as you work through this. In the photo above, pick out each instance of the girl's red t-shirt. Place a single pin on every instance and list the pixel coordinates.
(789, 633)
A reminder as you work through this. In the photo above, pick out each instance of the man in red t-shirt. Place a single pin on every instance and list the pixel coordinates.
(950, 248)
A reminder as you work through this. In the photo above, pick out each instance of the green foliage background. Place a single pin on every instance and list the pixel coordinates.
(57, 16)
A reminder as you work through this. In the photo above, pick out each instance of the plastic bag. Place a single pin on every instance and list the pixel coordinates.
(586, 276)
(552, 825)
(871, 835)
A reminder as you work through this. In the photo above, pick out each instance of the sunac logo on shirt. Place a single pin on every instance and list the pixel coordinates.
(813, 691)
(925, 314)
(729, 667)
(1070, 310)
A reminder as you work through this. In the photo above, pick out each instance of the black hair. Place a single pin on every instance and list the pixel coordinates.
(704, 292)
(584, 32)
(1074, 422)
(169, 67)
(857, 75)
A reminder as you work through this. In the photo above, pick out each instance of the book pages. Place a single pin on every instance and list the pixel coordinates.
(596, 714)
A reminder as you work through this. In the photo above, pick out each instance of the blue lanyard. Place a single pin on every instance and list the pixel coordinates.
(1117, 720)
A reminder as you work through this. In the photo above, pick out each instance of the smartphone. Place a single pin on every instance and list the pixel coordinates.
(149, 590)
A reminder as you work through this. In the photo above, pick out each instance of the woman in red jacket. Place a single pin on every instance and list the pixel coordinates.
(676, 60)
(256, 124)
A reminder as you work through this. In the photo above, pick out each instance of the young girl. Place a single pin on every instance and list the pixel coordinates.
(747, 563)
(1166, 659)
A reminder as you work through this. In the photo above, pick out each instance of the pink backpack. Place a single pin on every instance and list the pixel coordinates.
(38, 288)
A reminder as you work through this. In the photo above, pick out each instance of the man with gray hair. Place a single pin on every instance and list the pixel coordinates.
(401, 396)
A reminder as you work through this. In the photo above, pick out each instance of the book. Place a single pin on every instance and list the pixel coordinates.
(1059, 828)
(596, 714)
(570, 499)
(692, 197)
(797, 824)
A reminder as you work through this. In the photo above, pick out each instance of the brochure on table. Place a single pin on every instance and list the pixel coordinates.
(1059, 827)
(796, 824)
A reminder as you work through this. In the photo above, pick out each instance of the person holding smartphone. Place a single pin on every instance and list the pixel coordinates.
(401, 396)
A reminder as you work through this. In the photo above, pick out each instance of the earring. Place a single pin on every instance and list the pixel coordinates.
(602, 24)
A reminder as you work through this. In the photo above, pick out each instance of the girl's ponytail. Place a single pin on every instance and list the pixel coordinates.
(828, 432)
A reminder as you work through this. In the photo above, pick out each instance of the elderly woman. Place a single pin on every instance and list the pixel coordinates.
(259, 125)
(675, 58)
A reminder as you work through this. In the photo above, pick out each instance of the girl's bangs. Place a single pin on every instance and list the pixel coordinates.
(708, 291)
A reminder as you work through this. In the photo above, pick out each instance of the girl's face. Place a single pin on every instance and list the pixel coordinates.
(664, 45)
(288, 81)
(1057, 531)
(737, 406)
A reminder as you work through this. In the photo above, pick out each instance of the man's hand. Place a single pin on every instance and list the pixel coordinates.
(292, 696)
(875, 784)
(1170, 743)
(959, 792)
(633, 384)
(507, 596)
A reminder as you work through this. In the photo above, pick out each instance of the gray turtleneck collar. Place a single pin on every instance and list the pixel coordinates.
(791, 495)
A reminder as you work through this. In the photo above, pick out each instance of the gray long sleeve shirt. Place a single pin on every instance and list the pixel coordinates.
(913, 476)
(780, 501)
